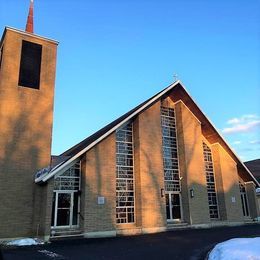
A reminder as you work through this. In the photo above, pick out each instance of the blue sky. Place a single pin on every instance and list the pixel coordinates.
(114, 54)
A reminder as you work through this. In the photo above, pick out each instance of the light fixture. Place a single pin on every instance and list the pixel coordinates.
(191, 193)
(162, 193)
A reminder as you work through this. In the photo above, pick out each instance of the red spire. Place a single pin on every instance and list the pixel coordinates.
(29, 24)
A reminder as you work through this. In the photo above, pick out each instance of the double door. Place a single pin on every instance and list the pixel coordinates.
(173, 206)
(244, 204)
(65, 209)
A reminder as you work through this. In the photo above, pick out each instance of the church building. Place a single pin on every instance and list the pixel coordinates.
(161, 166)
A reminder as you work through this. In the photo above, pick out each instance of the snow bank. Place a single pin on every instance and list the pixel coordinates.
(25, 242)
(237, 249)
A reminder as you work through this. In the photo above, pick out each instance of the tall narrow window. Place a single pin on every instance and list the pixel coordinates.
(171, 165)
(243, 199)
(30, 65)
(66, 201)
(211, 189)
(124, 175)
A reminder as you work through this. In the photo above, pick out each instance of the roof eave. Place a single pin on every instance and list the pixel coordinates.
(221, 136)
(8, 28)
(72, 159)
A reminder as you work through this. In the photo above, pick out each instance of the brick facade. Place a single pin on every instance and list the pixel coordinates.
(193, 165)
(151, 168)
(99, 177)
(100, 181)
(25, 138)
(252, 200)
(25, 134)
(227, 185)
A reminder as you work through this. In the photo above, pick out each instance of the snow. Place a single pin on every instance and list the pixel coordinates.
(25, 242)
(50, 254)
(237, 249)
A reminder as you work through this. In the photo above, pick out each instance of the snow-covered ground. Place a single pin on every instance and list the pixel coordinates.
(237, 249)
(25, 242)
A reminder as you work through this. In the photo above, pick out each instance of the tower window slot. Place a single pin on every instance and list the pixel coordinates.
(30, 65)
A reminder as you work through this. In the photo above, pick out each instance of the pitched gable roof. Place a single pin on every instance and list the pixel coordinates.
(78, 147)
(177, 92)
(76, 151)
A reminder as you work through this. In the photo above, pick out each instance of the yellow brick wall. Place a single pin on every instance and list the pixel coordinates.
(226, 170)
(25, 134)
(151, 167)
(100, 180)
(252, 199)
(192, 166)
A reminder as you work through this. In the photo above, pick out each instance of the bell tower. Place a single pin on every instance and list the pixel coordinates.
(27, 79)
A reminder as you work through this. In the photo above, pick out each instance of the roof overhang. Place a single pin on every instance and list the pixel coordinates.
(7, 28)
(69, 162)
(65, 165)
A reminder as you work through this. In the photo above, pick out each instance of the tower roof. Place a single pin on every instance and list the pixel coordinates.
(29, 24)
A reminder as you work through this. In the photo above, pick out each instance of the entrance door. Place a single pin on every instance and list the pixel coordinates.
(65, 209)
(173, 206)
(244, 204)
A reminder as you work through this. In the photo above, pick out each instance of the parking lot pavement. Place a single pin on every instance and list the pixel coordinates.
(189, 244)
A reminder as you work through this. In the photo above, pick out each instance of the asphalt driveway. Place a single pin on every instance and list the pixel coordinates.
(178, 244)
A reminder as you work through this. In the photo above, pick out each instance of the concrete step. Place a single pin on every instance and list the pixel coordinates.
(179, 225)
(66, 233)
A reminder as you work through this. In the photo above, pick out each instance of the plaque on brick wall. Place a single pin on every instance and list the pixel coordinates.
(101, 200)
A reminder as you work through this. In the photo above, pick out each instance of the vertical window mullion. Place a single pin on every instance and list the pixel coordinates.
(243, 199)
(170, 150)
(210, 180)
(125, 175)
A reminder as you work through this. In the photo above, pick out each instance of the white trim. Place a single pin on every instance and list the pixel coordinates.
(249, 182)
(70, 226)
(72, 159)
(7, 28)
(172, 220)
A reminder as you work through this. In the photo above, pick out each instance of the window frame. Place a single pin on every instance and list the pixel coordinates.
(25, 69)
(209, 168)
(129, 157)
